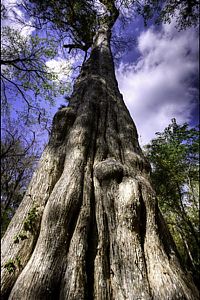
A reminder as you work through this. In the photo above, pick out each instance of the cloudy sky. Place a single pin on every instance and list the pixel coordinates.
(159, 84)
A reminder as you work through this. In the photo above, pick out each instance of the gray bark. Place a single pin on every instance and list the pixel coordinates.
(98, 233)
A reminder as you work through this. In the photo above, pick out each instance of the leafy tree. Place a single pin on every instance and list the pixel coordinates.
(186, 13)
(76, 18)
(174, 155)
(93, 229)
(25, 75)
(18, 161)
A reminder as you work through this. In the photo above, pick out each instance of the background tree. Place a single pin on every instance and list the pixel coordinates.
(93, 229)
(19, 155)
(174, 155)
(186, 13)
(29, 86)
(26, 79)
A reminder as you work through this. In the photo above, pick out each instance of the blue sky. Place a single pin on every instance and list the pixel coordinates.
(158, 76)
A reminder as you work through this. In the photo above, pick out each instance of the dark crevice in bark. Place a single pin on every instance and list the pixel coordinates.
(56, 291)
(115, 131)
(107, 257)
(100, 143)
(97, 115)
(143, 224)
(5, 295)
(106, 104)
(91, 251)
(73, 222)
(106, 124)
(36, 235)
(143, 219)
(94, 61)
(119, 140)
(92, 237)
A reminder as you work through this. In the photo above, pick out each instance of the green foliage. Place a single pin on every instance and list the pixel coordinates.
(77, 17)
(10, 266)
(18, 262)
(18, 160)
(29, 223)
(174, 156)
(185, 13)
(25, 75)
(28, 226)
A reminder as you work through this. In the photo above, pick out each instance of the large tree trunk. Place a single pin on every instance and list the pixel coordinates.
(94, 230)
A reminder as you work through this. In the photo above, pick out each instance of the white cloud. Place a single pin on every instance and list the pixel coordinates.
(12, 14)
(158, 87)
(61, 67)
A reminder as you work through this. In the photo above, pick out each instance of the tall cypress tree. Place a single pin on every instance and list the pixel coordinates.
(89, 226)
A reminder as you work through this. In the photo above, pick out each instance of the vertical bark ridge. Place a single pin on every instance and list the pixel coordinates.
(77, 273)
(133, 273)
(101, 270)
(101, 148)
(93, 235)
(92, 240)
(101, 275)
(73, 284)
(166, 277)
(64, 201)
(111, 132)
(40, 188)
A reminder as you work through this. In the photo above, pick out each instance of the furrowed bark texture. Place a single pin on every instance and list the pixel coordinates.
(97, 232)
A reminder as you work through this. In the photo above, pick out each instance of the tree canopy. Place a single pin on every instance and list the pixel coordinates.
(81, 19)
(26, 79)
(73, 24)
(186, 13)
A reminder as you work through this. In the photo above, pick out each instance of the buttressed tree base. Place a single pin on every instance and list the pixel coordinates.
(89, 226)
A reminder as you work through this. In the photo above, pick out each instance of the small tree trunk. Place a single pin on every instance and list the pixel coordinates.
(97, 232)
